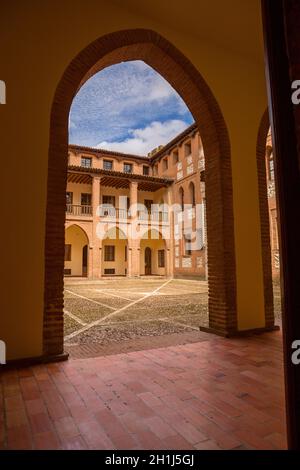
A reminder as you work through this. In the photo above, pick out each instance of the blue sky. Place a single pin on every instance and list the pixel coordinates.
(127, 107)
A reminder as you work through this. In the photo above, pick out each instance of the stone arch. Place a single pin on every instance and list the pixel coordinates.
(161, 55)
(263, 130)
(78, 225)
(77, 239)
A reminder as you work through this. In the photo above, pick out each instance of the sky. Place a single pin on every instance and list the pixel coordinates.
(127, 107)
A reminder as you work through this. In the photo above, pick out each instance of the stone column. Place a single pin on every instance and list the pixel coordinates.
(133, 240)
(96, 242)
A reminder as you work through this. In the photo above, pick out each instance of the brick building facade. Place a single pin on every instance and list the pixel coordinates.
(171, 174)
(164, 234)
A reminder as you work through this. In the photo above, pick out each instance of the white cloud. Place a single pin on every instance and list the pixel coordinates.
(145, 139)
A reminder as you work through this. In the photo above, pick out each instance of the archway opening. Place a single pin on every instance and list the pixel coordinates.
(187, 81)
(76, 251)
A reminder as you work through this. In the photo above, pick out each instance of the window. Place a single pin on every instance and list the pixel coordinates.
(86, 199)
(69, 197)
(146, 170)
(181, 196)
(155, 169)
(161, 258)
(127, 167)
(107, 165)
(175, 157)
(165, 163)
(187, 244)
(108, 200)
(109, 271)
(86, 162)
(109, 253)
(192, 194)
(68, 250)
(187, 149)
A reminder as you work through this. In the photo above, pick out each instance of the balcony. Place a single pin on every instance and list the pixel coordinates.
(156, 216)
(79, 210)
(114, 212)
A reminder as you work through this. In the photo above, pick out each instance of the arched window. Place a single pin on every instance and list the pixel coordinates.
(181, 196)
(192, 194)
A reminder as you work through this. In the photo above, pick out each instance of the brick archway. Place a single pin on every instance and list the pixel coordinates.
(162, 56)
(264, 218)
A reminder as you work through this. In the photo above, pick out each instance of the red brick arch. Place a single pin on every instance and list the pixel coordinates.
(162, 56)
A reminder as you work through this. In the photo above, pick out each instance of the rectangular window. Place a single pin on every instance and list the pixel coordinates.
(175, 157)
(165, 163)
(109, 271)
(69, 197)
(161, 258)
(109, 253)
(145, 170)
(68, 250)
(86, 162)
(155, 170)
(188, 244)
(107, 165)
(86, 199)
(187, 149)
(127, 167)
(109, 200)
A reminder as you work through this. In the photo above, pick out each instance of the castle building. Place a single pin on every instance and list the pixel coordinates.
(167, 234)
(130, 215)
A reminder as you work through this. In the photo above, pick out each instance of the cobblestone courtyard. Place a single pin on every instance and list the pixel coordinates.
(121, 314)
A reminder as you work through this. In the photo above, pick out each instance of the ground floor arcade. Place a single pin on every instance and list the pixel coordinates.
(115, 254)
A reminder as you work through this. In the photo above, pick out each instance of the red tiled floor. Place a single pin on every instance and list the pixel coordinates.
(215, 394)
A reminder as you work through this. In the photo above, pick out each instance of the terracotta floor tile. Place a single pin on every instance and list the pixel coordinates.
(216, 394)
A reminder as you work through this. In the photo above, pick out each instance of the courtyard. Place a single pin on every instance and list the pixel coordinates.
(115, 315)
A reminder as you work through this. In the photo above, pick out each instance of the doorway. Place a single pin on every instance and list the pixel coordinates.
(84, 260)
(148, 261)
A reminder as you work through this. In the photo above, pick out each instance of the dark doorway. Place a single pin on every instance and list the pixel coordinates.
(147, 261)
(84, 260)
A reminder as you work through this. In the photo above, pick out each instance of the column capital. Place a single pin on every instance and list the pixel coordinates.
(96, 177)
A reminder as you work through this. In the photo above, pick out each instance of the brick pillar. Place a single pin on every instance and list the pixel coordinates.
(95, 270)
(133, 241)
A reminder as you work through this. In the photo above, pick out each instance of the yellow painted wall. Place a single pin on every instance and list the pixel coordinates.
(153, 240)
(154, 245)
(76, 237)
(116, 238)
(38, 41)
